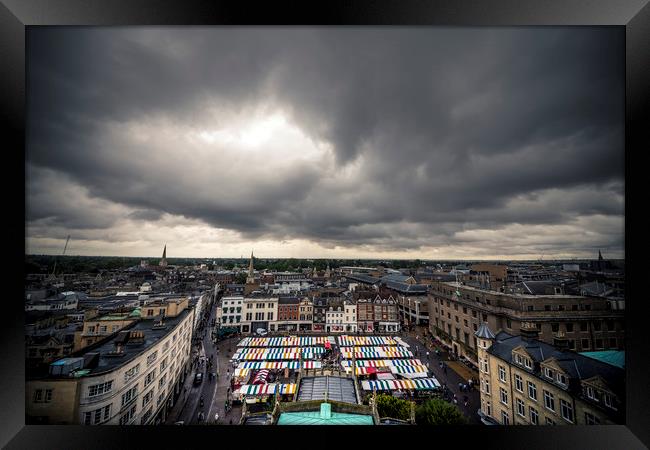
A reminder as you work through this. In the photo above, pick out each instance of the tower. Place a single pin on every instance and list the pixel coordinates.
(327, 271)
(251, 271)
(484, 340)
(163, 261)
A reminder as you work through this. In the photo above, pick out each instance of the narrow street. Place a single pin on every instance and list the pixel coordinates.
(449, 376)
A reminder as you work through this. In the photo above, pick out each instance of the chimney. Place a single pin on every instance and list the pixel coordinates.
(560, 342)
(529, 331)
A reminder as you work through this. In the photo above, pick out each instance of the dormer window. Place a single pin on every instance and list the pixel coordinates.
(608, 401)
(548, 373)
(591, 394)
(561, 379)
(528, 363)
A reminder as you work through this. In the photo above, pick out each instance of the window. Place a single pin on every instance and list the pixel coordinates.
(590, 419)
(555, 327)
(504, 418)
(487, 386)
(566, 410)
(146, 416)
(574, 307)
(132, 372)
(99, 389)
(161, 383)
(502, 373)
(149, 378)
(528, 363)
(549, 400)
(532, 391)
(503, 396)
(465, 322)
(474, 314)
(147, 398)
(613, 343)
(548, 373)
(488, 410)
(561, 379)
(550, 421)
(569, 327)
(161, 398)
(484, 317)
(508, 323)
(534, 416)
(152, 357)
(521, 409)
(519, 383)
(606, 398)
(583, 326)
(474, 326)
(599, 343)
(249, 316)
(572, 344)
(585, 343)
(597, 326)
(269, 316)
(464, 310)
(38, 395)
(547, 307)
(129, 395)
(48, 396)
(530, 308)
(163, 364)
(97, 416)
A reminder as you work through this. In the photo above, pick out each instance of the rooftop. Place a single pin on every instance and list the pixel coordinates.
(131, 350)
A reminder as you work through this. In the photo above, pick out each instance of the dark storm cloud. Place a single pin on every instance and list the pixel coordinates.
(444, 130)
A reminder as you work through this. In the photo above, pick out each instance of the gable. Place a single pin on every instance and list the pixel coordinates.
(552, 364)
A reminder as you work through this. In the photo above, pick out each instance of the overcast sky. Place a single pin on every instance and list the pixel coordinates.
(391, 142)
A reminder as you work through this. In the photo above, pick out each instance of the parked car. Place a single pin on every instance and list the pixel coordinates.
(198, 378)
(261, 332)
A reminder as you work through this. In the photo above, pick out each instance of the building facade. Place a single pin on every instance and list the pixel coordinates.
(524, 381)
(230, 312)
(456, 311)
(131, 378)
(259, 312)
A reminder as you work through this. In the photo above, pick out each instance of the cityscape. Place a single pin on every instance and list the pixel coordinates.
(234, 226)
(229, 343)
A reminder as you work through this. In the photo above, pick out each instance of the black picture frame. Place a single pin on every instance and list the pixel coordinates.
(16, 15)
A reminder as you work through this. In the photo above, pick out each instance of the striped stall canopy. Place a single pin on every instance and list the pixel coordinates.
(346, 341)
(286, 388)
(243, 372)
(312, 364)
(375, 352)
(392, 385)
(269, 365)
(261, 375)
(382, 362)
(365, 370)
(408, 369)
(285, 341)
(257, 389)
(244, 342)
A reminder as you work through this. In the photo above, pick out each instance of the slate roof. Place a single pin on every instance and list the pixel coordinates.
(577, 366)
(406, 288)
(484, 332)
(363, 278)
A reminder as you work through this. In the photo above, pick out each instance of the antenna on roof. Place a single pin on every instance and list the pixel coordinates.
(64, 249)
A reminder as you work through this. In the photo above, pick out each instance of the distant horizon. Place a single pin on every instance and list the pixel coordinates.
(329, 258)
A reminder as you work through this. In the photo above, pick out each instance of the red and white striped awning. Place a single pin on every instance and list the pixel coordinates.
(258, 389)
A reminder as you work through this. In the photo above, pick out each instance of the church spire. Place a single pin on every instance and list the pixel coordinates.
(251, 271)
(163, 261)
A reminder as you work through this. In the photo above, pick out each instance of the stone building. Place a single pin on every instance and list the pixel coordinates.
(524, 381)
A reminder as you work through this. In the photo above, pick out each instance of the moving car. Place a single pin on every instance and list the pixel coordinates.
(198, 378)
(261, 332)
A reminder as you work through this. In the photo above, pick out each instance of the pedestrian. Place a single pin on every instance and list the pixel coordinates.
(441, 364)
(230, 421)
(466, 403)
(460, 386)
(455, 401)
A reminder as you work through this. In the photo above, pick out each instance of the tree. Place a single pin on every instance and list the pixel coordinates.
(389, 406)
(438, 412)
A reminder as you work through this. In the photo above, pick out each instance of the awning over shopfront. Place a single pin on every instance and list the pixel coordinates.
(242, 373)
(393, 385)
